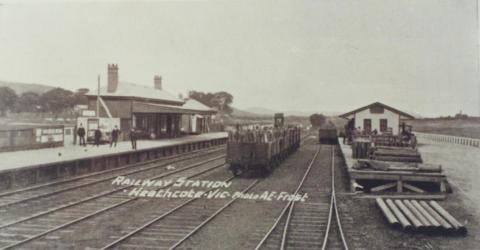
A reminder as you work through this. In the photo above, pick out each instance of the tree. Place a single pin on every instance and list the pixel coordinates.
(80, 97)
(27, 102)
(317, 120)
(57, 100)
(8, 97)
(220, 100)
(201, 97)
(460, 115)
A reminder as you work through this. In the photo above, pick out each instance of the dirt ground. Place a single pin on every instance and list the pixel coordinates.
(243, 224)
(468, 127)
(364, 225)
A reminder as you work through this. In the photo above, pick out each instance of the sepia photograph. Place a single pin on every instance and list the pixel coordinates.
(240, 124)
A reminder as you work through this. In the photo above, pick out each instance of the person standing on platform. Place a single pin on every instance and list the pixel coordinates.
(346, 133)
(115, 133)
(81, 135)
(98, 136)
(133, 138)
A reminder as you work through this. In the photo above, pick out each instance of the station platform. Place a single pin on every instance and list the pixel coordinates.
(28, 167)
(347, 154)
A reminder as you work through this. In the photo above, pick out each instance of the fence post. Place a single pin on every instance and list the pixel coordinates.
(438, 138)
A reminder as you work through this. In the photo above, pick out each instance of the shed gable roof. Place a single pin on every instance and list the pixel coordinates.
(377, 104)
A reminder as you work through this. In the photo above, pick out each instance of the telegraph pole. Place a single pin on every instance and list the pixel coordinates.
(98, 96)
(478, 53)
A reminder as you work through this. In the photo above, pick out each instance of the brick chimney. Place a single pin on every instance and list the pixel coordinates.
(112, 78)
(157, 82)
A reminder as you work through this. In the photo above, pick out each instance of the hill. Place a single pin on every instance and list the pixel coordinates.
(245, 113)
(261, 111)
(271, 112)
(26, 87)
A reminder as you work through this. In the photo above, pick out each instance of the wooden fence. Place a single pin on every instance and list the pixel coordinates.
(450, 139)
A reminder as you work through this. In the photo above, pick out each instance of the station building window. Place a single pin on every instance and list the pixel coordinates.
(383, 125)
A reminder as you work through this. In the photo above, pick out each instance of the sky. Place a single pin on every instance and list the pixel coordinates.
(317, 55)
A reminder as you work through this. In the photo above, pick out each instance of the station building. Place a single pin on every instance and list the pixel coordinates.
(152, 111)
(379, 116)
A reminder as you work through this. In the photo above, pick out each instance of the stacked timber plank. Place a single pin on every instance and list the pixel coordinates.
(382, 168)
(398, 154)
(401, 175)
(397, 166)
(419, 216)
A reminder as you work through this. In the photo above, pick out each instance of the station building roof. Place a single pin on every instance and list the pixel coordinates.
(196, 105)
(403, 114)
(192, 108)
(135, 91)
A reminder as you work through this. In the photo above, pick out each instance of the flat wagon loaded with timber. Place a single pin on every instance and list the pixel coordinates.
(258, 151)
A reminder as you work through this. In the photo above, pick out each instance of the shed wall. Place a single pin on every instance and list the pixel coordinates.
(393, 119)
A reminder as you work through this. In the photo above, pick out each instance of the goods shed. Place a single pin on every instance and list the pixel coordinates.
(377, 116)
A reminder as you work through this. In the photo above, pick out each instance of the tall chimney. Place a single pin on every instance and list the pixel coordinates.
(112, 78)
(157, 82)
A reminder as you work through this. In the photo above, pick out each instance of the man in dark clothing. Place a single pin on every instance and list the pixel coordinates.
(98, 136)
(81, 135)
(115, 133)
(133, 138)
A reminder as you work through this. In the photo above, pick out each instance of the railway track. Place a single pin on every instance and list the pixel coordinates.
(20, 231)
(25, 203)
(43, 229)
(171, 229)
(314, 224)
(39, 191)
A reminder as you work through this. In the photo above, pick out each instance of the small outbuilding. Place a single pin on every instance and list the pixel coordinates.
(377, 116)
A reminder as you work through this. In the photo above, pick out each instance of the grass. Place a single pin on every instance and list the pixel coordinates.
(467, 127)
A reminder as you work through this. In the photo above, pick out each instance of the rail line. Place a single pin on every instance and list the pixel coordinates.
(179, 223)
(334, 213)
(53, 220)
(308, 225)
(81, 210)
(35, 192)
(28, 208)
(151, 232)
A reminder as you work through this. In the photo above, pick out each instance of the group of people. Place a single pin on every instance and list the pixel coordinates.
(257, 134)
(405, 136)
(350, 133)
(97, 136)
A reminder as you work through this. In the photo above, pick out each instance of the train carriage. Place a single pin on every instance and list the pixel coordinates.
(328, 134)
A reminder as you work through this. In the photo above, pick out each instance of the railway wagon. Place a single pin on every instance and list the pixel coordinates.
(256, 153)
(328, 135)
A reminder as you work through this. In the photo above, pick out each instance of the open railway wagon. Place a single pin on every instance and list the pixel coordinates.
(257, 152)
